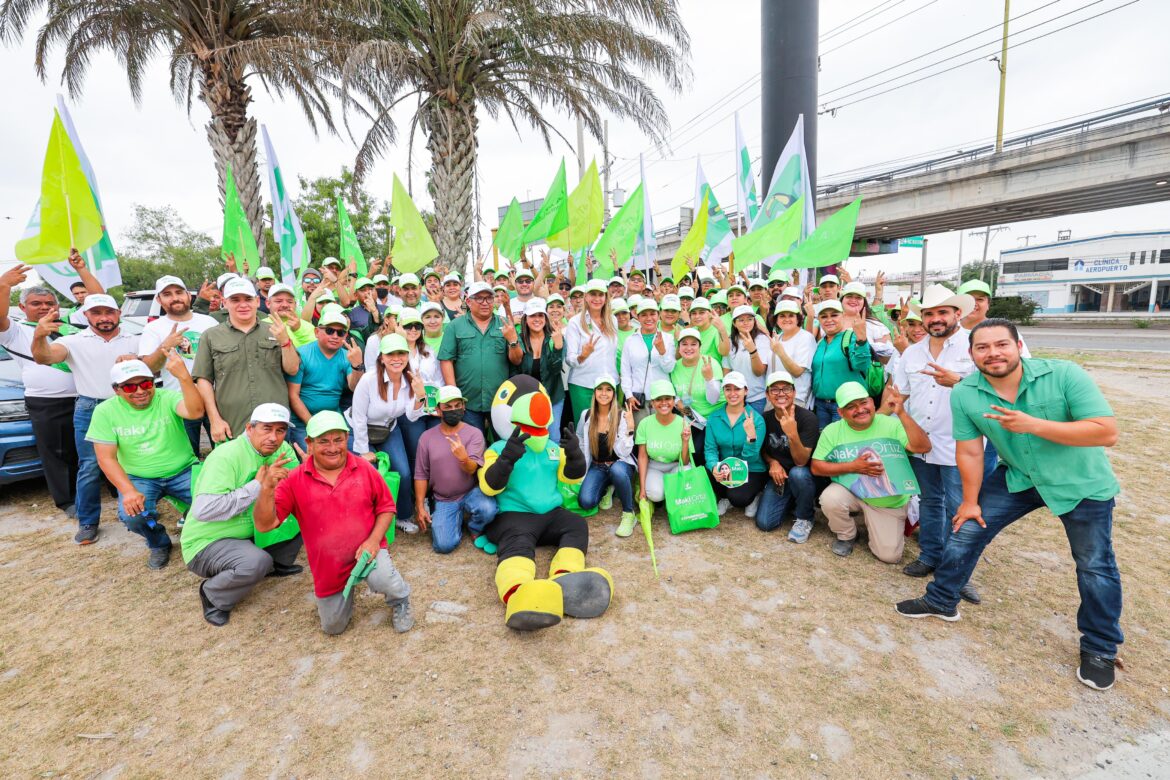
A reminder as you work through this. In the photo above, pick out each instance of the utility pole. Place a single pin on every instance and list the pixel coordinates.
(959, 278)
(580, 149)
(1027, 239)
(1002, 78)
(922, 284)
(987, 233)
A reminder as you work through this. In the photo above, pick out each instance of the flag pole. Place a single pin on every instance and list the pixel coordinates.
(495, 252)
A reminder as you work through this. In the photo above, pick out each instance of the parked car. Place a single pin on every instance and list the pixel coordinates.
(140, 307)
(18, 449)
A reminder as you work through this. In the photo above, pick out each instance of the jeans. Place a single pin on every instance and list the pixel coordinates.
(1089, 528)
(558, 410)
(827, 412)
(145, 524)
(759, 405)
(990, 458)
(941, 493)
(395, 447)
(412, 431)
(89, 474)
(798, 491)
(478, 420)
(194, 430)
(619, 474)
(447, 519)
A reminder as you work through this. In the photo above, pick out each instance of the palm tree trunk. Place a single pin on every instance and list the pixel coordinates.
(452, 142)
(232, 135)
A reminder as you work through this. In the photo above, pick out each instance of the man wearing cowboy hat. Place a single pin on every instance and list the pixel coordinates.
(924, 376)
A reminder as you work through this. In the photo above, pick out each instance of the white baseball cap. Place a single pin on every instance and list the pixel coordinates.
(831, 279)
(237, 286)
(475, 288)
(597, 285)
(853, 288)
(331, 261)
(534, 306)
(97, 301)
(280, 288)
(686, 292)
(264, 272)
(690, 333)
(163, 282)
(780, 376)
(829, 305)
(452, 278)
(671, 303)
(741, 311)
(429, 306)
(448, 393)
(379, 278)
(406, 279)
(271, 413)
(223, 279)
(129, 369)
(734, 379)
(647, 304)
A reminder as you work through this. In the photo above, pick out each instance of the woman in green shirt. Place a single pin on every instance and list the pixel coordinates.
(542, 349)
(433, 321)
(696, 378)
(665, 443)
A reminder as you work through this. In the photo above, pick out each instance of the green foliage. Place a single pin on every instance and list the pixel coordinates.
(988, 272)
(1019, 310)
(317, 210)
(1141, 324)
(160, 242)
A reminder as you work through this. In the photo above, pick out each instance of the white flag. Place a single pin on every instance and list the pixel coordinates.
(286, 228)
(747, 201)
(646, 248)
(719, 235)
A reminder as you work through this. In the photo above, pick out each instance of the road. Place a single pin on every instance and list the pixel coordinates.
(1098, 339)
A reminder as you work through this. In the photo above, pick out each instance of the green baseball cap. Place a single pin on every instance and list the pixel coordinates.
(362, 282)
(393, 343)
(850, 392)
(661, 388)
(324, 422)
(975, 286)
(448, 393)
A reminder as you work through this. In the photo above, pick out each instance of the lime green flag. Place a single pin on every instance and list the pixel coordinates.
(509, 236)
(620, 235)
(351, 250)
(413, 245)
(695, 241)
(586, 212)
(774, 238)
(553, 215)
(829, 243)
(69, 214)
(238, 240)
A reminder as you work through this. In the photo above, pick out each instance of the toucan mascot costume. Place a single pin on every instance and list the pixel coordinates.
(521, 471)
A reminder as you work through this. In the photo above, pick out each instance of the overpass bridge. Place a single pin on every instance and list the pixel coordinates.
(1115, 159)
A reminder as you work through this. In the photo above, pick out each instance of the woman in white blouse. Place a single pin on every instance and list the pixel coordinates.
(590, 345)
(793, 348)
(750, 351)
(424, 363)
(382, 401)
(877, 335)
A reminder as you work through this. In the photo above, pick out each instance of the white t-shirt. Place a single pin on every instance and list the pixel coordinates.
(154, 333)
(91, 357)
(39, 381)
(741, 360)
(800, 348)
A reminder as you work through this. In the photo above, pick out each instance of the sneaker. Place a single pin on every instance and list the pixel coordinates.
(407, 526)
(606, 500)
(800, 531)
(723, 506)
(214, 616)
(969, 594)
(402, 619)
(1096, 671)
(626, 527)
(86, 534)
(750, 509)
(159, 557)
(918, 569)
(843, 547)
(281, 570)
(918, 608)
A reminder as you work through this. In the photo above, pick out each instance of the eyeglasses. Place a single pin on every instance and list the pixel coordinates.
(565, 287)
(335, 331)
(413, 326)
(133, 387)
(482, 299)
(781, 390)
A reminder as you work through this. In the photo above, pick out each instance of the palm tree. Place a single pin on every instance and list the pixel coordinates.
(516, 58)
(218, 47)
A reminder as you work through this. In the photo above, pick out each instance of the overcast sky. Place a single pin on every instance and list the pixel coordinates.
(156, 154)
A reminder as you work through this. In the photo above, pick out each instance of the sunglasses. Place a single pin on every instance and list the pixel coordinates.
(565, 287)
(133, 387)
(335, 331)
(413, 326)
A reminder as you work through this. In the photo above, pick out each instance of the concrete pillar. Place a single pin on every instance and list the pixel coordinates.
(1109, 299)
(788, 36)
(1153, 294)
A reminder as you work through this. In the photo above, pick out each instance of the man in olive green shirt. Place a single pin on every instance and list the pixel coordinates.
(241, 364)
(1051, 424)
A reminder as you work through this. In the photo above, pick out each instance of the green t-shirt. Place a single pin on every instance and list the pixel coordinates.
(433, 342)
(152, 442)
(839, 434)
(709, 343)
(663, 442)
(692, 388)
(302, 334)
(229, 467)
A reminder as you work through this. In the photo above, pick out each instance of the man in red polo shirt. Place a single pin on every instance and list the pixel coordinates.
(344, 509)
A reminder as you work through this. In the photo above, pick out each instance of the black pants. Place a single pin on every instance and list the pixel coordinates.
(699, 439)
(520, 533)
(52, 424)
(744, 494)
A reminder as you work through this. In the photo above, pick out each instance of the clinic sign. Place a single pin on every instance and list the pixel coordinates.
(1100, 265)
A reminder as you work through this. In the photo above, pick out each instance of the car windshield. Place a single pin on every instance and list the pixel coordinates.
(9, 371)
(133, 306)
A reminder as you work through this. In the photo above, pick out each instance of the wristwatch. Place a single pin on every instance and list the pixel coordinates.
(361, 367)
(513, 344)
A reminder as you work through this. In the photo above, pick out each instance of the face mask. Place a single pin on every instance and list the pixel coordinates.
(383, 293)
(452, 417)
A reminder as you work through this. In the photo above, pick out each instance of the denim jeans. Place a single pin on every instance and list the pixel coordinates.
(1089, 528)
(798, 491)
(479, 420)
(554, 432)
(412, 431)
(194, 430)
(395, 447)
(759, 405)
(990, 458)
(145, 524)
(941, 493)
(619, 474)
(447, 519)
(89, 474)
(827, 412)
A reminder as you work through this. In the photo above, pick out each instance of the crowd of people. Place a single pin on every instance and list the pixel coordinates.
(926, 416)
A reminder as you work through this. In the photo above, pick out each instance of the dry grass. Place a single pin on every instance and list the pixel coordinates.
(749, 656)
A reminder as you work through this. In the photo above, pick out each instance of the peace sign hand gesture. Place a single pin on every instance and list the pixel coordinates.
(353, 353)
(660, 343)
(457, 448)
(278, 329)
(174, 338)
(588, 347)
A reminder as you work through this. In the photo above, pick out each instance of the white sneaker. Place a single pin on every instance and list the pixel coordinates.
(750, 509)
(407, 526)
(723, 506)
(800, 531)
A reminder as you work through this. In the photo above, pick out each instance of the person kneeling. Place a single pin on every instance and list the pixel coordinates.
(791, 436)
(734, 432)
(606, 434)
(665, 443)
(219, 540)
(344, 509)
(857, 453)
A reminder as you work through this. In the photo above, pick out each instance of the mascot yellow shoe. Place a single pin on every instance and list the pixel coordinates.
(532, 603)
(586, 593)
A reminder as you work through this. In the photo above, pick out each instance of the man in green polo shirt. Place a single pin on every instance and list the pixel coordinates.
(141, 446)
(220, 542)
(1050, 424)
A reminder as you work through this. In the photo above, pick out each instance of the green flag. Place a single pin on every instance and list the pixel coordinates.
(774, 238)
(586, 212)
(69, 216)
(692, 246)
(238, 240)
(509, 236)
(553, 215)
(717, 244)
(351, 250)
(829, 243)
(413, 245)
(620, 236)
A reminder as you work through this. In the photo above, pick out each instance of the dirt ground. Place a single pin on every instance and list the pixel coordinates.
(748, 657)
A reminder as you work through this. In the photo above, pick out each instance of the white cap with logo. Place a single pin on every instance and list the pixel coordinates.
(271, 413)
(129, 369)
(163, 282)
(97, 301)
(239, 286)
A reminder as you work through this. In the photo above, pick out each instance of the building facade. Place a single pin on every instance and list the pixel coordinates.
(1118, 272)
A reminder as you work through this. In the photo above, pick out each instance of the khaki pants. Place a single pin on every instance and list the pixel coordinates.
(885, 526)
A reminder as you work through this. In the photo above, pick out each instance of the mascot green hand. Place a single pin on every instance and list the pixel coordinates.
(522, 470)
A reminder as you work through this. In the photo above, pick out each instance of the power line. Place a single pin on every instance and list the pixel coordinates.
(876, 29)
(870, 15)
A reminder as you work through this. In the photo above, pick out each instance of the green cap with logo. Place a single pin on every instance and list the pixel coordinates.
(324, 422)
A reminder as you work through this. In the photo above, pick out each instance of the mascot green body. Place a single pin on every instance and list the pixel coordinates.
(522, 471)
